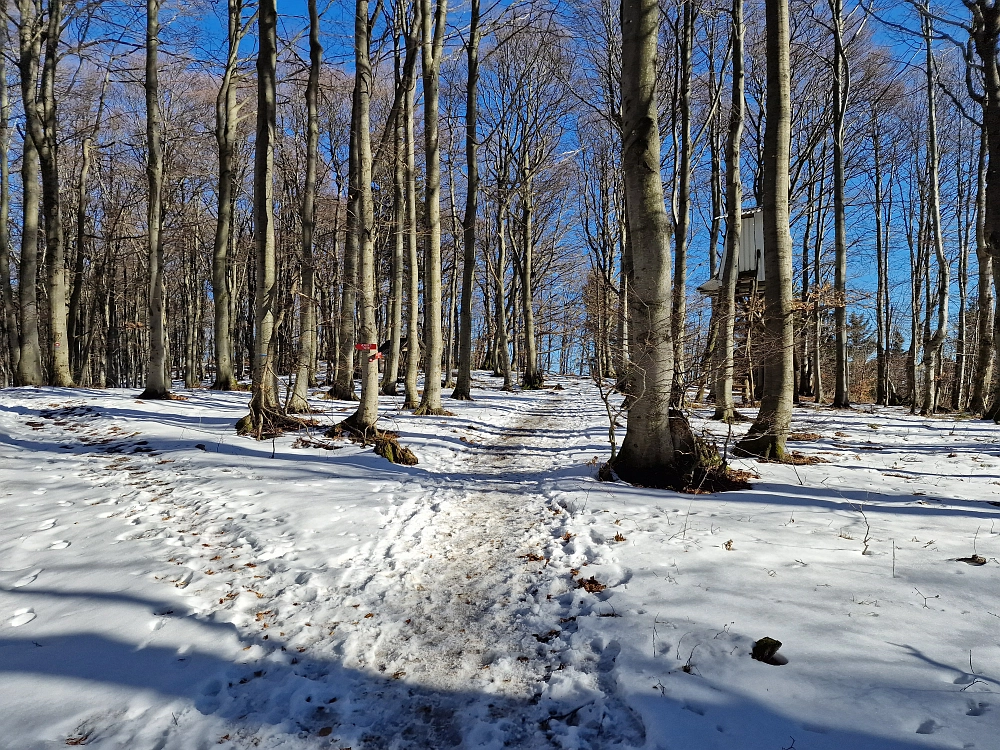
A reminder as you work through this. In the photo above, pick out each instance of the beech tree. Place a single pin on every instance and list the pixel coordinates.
(769, 431)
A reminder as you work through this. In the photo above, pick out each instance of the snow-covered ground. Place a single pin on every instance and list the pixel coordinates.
(165, 584)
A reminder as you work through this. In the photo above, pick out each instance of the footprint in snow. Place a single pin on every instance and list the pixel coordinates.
(39, 491)
(46, 524)
(29, 578)
(61, 544)
(65, 503)
(977, 709)
(22, 617)
(928, 727)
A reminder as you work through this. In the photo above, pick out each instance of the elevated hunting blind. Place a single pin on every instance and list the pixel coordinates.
(749, 265)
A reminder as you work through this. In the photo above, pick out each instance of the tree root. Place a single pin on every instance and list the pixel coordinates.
(154, 395)
(266, 423)
(426, 411)
(339, 393)
(697, 467)
(386, 443)
(730, 416)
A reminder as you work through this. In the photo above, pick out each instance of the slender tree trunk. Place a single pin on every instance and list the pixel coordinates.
(41, 122)
(7, 306)
(963, 212)
(264, 404)
(500, 299)
(881, 258)
(932, 353)
(226, 114)
(29, 367)
(724, 409)
(343, 388)
(817, 264)
(463, 388)
(412, 400)
(531, 378)
(307, 302)
(432, 40)
(984, 292)
(367, 413)
(841, 91)
(391, 375)
(157, 374)
(769, 432)
(678, 307)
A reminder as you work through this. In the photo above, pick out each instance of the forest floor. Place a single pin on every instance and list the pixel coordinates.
(165, 584)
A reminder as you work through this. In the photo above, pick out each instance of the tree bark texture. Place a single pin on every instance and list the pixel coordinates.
(769, 432)
(463, 387)
(307, 300)
(432, 40)
(157, 372)
(726, 306)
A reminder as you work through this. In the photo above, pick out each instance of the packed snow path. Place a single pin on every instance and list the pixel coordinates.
(446, 619)
(167, 585)
(464, 591)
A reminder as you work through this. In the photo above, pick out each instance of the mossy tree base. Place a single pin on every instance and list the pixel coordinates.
(764, 445)
(424, 410)
(229, 383)
(155, 394)
(697, 466)
(340, 392)
(386, 443)
(298, 405)
(729, 416)
(462, 394)
(533, 383)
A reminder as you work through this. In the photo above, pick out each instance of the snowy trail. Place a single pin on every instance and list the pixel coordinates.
(407, 608)
(166, 585)
(464, 590)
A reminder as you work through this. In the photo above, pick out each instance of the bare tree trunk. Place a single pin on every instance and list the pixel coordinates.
(818, 275)
(881, 259)
(658, 449)
(41, 122)
(264, 404)
(531, 378)
(985, 38)
(463, 388)
(366, 415)
(412, 400)
(932, 353)
(769, 432)
(29, 366)
(157, 374)
(678, 307)
(391, 375)
(841, 93)
(226, 115)
(984, 292)
(724, 409)
(964, 213)
(343, 387)
(7, 306)
(502, 360)
(307, 303)
(432, 40)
